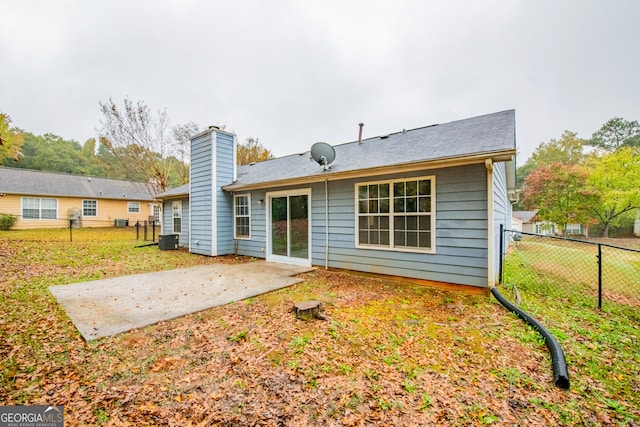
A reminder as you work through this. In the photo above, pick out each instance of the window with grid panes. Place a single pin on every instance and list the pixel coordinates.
(89, 208)
(36, 208)
(242, 216)
(176, 214)
(396, 214)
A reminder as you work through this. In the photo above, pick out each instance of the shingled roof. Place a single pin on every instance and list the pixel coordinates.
(174, 193)
(490, 136)
(39, 183)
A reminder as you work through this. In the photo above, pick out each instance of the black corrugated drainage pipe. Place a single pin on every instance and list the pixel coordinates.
(560, 373)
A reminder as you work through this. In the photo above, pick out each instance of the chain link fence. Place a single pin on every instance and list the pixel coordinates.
(144, 230)
(598, 271)
(88, 230)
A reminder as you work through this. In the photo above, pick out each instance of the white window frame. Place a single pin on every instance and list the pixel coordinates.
(545, 228)
(392, 215)
(93, 208)
(40, 208)
(175, 211)
(574, 229)
(268, 226)
(133, 207)
(236, 216)
(156, 208)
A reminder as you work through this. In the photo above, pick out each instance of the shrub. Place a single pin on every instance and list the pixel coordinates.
(7, 221)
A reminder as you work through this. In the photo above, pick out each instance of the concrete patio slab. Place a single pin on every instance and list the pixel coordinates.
(110, 306)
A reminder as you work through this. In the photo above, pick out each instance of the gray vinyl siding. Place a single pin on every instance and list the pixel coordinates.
(256, 246)
(167, 220)
(200, 238)
(501, 210)
(461, 229)
(461, 238)
(224, 201)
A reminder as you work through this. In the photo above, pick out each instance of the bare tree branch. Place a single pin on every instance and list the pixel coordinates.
(142, 144)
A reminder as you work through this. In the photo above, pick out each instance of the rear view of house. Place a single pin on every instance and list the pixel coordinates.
(424, 203)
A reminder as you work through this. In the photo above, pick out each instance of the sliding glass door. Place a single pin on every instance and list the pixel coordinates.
(289, 227)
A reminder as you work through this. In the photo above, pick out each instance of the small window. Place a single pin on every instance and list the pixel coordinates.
(89, 208)
(176, 213)
(133, 207)
(35, 208)
(242, 217)
(155, 211)
(575, 229)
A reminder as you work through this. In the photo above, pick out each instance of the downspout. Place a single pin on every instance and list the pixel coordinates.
(490, 233)
(190, 222)
(326, 224)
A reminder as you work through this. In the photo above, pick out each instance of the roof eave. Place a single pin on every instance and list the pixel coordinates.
(496, 156)
(76, 196)
(171, 196)
(210, 130)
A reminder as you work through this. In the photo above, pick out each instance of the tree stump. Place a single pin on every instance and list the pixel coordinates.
(308, 310)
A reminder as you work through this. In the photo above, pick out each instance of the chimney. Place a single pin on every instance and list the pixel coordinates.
(360, 133)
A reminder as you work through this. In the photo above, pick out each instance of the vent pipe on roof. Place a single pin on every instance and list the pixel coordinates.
(360, 133)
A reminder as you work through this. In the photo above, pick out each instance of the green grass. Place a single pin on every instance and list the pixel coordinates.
(562, 262)
(601, 346)
(392, 353)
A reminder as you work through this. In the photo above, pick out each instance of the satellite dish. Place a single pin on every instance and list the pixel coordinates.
(323, 153)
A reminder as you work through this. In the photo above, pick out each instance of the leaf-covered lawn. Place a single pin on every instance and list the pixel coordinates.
(392, 353)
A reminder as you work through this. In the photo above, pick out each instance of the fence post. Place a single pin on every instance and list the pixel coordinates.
(145, 230)
(70, 230)
(137, 230)
(500, 278)
(599, 276)
(153, 230)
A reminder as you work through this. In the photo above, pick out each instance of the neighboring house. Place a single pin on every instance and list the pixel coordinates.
(49, 199)
(545, 228)
(516, 223)
(527, 225)
(424, 203)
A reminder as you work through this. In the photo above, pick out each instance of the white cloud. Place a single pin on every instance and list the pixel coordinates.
(293, 73)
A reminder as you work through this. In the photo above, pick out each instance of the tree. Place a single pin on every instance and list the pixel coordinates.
(252, 151)
(11, 140)
(182, 135)
(140, 142)
(51, 153)
(568, 150)
(616, 176)
(560, 194)
(616, 133)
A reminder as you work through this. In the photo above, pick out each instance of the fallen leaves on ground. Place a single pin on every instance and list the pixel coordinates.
(392, 353)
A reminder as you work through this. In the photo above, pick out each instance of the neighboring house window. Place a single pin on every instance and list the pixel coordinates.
(36, 208)
(396, 214)
(242, 217)
(176, 212)
(546, 228)
(155, 211)
(133, 207)
(573, 229)
(89, 208)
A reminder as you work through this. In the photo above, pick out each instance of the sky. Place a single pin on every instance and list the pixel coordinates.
(292, 73)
